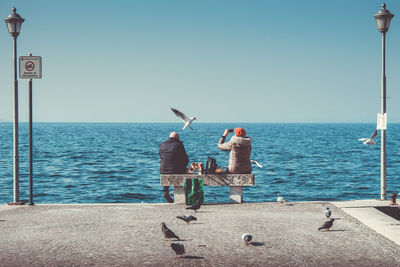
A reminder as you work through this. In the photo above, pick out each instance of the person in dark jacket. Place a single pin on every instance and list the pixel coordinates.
(174, 159)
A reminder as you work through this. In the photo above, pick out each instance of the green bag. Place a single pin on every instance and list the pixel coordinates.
(194, 191)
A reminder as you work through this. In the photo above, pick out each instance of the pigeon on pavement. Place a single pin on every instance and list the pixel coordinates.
(167, 232)
(247, 238)
(185, 119)
(328, 212)
(179, 248)
(327, 225)
(186, 218)
(195, 206)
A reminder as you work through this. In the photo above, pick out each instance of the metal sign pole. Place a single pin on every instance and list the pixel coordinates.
(30, 145)
(30, 67)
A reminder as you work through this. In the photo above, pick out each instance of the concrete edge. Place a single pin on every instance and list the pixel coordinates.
(6, 206)
(361, 203)
(372, 218)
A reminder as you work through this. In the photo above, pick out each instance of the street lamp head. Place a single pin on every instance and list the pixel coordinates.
(14, 23)
(383, 18)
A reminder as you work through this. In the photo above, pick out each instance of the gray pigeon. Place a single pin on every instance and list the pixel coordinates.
(179, 248)
(247, 238)
(327, 225)
(328, 212)
(167, 232)
(186, 218)
(195, 206)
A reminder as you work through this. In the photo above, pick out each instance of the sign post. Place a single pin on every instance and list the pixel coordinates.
(30, 67)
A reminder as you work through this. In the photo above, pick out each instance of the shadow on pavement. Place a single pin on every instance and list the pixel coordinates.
(192, 257)
(257, 244)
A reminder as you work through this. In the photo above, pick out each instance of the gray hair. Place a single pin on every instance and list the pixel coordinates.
(174, 135)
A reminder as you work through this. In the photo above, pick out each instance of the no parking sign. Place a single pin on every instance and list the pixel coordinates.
(30, 67)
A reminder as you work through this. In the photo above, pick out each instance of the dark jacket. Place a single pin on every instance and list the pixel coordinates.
(173, 157)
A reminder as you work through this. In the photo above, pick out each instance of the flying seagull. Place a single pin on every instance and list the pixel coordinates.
(167, 232)
(186, 218)
(179, 248)
(371, 140)
(185, 119)
(328, 212)
(195, 206)
(280, 199)
(257, 163)
(327, 225)
(247, 238)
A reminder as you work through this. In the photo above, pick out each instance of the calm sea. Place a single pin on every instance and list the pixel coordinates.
(107, 162)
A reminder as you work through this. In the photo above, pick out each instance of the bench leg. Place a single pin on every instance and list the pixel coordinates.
(179, 195)
(236, 194)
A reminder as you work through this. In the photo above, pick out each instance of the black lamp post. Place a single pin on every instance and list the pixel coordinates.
(383, 18)
(14, 23)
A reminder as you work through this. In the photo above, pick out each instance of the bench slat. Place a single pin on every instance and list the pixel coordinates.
(209, 179)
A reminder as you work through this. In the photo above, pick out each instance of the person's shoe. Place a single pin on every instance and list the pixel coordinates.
(168, 198)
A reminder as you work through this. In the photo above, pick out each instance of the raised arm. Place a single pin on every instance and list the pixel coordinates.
(221, 143)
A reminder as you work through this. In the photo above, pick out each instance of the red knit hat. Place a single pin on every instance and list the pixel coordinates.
(240, 132)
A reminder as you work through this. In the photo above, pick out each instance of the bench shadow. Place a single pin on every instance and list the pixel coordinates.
(257, 244)
(177, 240)
(2, 220)
(192, 257)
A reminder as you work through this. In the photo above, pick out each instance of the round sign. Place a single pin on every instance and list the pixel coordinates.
(29, 66)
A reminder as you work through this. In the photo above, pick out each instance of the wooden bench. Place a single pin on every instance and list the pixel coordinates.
(234, 181)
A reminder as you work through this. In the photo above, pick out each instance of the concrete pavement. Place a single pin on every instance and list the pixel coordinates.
(130, 235)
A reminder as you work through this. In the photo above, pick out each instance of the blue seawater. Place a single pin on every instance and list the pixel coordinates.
(114, 163)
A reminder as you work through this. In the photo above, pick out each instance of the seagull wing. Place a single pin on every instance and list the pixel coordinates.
(374, 135)
(180, 114)
(257, 163)
(362, 139)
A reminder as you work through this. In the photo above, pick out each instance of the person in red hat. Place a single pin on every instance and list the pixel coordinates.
(240, 150)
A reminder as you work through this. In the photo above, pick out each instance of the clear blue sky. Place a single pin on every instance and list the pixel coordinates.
(222, 61)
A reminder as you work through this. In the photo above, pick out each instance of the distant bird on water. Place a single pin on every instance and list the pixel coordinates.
(280, 199)
(247, 238)
(257, 163)
(186, 218)
(167, 232)
(371, 140)
(186, 120)
(328, 212)
(179, 248)
(195, 206)
(327, 225)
